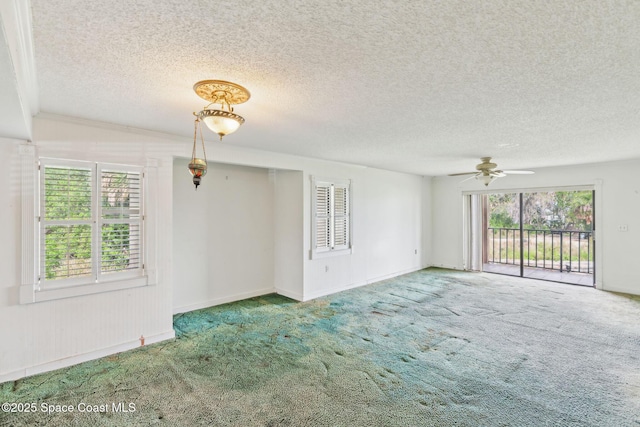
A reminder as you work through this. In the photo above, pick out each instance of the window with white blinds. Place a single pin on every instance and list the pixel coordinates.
(90, 222)
(121, 220)
(331, 216)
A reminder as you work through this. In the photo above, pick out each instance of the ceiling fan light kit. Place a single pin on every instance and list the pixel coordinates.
(487, 172)
(486, 179)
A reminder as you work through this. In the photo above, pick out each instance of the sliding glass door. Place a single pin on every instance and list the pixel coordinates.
(542, 235)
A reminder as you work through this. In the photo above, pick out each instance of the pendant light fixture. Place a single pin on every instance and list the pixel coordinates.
(223, 120)
(198, 165)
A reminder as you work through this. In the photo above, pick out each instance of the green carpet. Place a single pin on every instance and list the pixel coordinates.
(431, 348)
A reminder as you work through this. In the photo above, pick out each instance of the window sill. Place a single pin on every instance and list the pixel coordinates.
(329, 254)
(28, 294)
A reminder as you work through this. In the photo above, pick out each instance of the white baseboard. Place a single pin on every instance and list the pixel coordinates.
(325, 292)
(392, 275)
(619, 289)
(293, 295)
(448, 267)
(85, 357)
(222, 300)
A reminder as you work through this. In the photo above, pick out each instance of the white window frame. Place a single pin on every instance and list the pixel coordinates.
(35, 288)
(329, 214)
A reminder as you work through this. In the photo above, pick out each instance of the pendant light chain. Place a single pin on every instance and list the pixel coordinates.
(197, 166)
(204, 152)
(196, 128)
(195, 134)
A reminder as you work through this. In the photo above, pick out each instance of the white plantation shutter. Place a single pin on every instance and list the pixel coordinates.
(340, 216)
(120, 219)
(332, 216)
(322, 216)
(66, 236)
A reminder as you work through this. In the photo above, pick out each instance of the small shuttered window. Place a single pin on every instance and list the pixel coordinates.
(331, 216)
(90, 222)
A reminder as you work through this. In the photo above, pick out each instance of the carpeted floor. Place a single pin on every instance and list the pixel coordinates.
(431, 348)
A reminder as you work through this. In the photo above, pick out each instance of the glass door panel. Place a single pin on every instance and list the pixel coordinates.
(558, 236)
(503, 234)
(541, 235)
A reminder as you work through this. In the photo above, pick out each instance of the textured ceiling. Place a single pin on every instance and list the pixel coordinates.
(419, 86)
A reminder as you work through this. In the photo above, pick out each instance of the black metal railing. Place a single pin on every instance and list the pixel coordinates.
(563, 250)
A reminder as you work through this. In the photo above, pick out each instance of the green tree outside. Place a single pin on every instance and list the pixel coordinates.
(559, 210)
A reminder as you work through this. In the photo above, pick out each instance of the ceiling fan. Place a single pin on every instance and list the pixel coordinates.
(487, 172)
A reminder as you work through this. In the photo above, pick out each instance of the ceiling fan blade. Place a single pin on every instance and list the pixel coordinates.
(465, 180)
(518, 172)
(497, 173)
(463, 173)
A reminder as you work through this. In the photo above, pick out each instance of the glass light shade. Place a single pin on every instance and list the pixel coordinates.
(197, 168)
(220, 121)
(486, 179)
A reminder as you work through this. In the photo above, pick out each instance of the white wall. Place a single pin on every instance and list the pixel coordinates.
(223, 235)
(392, 218)
(387, 212)
(267, 195)
(617, 203)
(288, 228)
(427, 221)
(14, 331)
(386, 230)
(46, 335)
